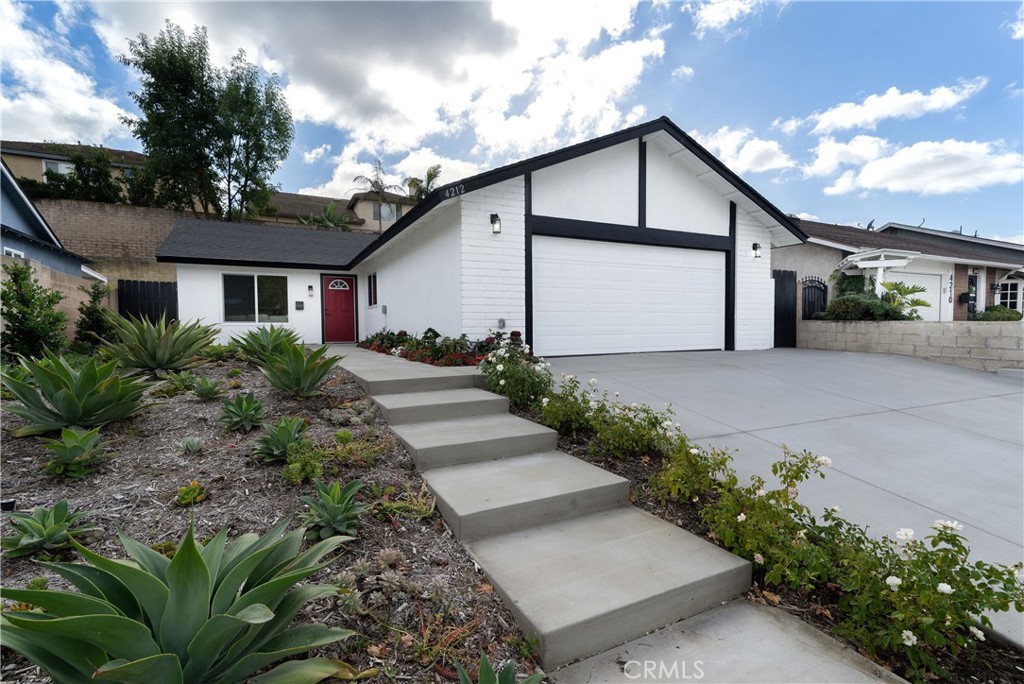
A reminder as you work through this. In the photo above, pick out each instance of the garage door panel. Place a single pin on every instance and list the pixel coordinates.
(596, 297)
(932, 294)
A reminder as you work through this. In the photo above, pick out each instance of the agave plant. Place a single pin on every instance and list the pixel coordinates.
(157, 347)
(296, 373)
(242, 413)
(211, 614)
(487, 675)
(58, 396)
(76, 453)
(333, 510)
(273, 446)
(44, 530)
(258, 344)
(207, 389)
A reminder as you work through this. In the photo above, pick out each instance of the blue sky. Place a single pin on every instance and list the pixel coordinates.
(841, 111)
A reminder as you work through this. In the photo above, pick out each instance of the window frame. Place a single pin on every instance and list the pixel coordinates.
(63, 167)
(371, 289)
(13, 253)
(1009, 294)
(255, 280)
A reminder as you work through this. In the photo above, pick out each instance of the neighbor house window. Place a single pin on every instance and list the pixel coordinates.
(1009, 295)
(386, 212)
(371, 289)
(255, 299)
(60, 167)
(14, 253)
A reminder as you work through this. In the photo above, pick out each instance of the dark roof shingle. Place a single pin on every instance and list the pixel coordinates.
(241, 243)
(61, 150)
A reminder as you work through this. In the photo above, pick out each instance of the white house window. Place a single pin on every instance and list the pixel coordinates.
(386, 212)
(17, 254)
(60, 167)
(338, 284)
(1009, 295)
(371, 289)
(255, 298)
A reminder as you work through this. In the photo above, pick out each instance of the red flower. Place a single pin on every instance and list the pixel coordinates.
(515, 333)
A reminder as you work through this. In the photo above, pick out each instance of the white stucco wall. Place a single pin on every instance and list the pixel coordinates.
(678, 200)
(418, 279)
(755, 287)
(602, 186)
(493, 275)
(201, 296)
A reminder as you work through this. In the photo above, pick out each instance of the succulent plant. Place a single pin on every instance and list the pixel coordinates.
(191, 494)
(76, 453)
(44, 530)
(242, 413)
(159, 346)
(191, 446)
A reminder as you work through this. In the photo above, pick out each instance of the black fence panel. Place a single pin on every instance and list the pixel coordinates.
(815, 296)
(785, 308)
(147, 299)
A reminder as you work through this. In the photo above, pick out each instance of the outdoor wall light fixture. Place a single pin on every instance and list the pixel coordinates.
(757, 250)
(495, 224)
(310, 290)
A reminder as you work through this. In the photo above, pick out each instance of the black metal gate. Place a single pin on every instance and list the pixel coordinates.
(785, 308)
(815, 296)
(147, 299)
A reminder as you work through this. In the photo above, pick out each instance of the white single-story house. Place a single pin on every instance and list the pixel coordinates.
(961, 274)
(636, 241)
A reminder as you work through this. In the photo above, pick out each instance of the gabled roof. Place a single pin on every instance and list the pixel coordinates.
(239, 243)
(662, 125)
(12, 192)
(49, 150)
(292, 205)
(853, 239)
(932, 236)
(389, 197)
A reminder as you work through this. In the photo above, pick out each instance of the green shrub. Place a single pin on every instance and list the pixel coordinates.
(160, 347)
(242, 412)
(863, 307)
(689, 473)
(511, 370)
(901, 295)
(567, 410)
(273, 446)
(31, 322)
(625, 431)
(59, 396)
(207, 389)
(217, 613)
(1000, 313)
(487, 675)
(294, 372)
(384, 341)
(219, 352)
(256, 345)
(333, 510)
(44, 530)
(76, 454)
(92, 325)
(305, 462)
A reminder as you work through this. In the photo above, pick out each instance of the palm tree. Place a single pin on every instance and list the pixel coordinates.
(902, 295)
(329, 217)
(376, 186)
(419, 188)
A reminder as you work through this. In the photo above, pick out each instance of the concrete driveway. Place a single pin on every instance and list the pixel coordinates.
(911, 441)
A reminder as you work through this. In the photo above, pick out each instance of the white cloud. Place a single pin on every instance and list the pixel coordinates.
(831, 154)
(683, 72)
(44, 97)
(718, 15)
(807, 217)
(316, 154)
(935, 168)
(788, 126)
(1016, 239)
(742, 152)
(892, 104)
(1017, 27)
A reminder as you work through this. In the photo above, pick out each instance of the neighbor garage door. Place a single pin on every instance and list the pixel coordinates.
(601, 297)
(932, 293)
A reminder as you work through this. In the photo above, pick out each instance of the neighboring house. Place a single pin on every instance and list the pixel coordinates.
(288, 207)
(960, 274)
(33, 159)
(636, 241)
(378, 215)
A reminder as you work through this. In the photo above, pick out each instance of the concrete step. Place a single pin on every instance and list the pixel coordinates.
(591, 582)
(495, 497)
(416, 407)
(468, 440)
(382, 384)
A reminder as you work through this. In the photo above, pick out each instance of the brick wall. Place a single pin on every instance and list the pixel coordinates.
(65, 284)
(960, 273)
(982, 345)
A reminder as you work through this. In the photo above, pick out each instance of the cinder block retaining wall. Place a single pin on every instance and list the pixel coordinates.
(986, 346)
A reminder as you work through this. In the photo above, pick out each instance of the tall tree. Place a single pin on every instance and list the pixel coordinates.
(419, 188)
(379, 189)
(178, 100)
(90, 180)
(255, 134)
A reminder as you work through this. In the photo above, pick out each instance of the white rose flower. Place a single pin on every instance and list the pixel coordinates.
(741, 517)
(500, 367)
(978, 634)
(908, 638)
(947, 526)
(544, 401)
(501, 382)
(904, 534)
(759, 492)
(834, 510)
(824, 461)
(759, 559)
(893, 582)
(944, 588)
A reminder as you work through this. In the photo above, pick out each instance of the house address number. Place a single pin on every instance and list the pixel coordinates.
(454, 191)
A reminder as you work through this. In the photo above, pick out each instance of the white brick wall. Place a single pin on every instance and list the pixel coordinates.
(494, 266)
(755, 288)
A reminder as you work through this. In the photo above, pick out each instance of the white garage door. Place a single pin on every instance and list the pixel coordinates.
(932, 293)
(601, 298)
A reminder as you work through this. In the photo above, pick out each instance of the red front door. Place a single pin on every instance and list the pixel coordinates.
(339, 308)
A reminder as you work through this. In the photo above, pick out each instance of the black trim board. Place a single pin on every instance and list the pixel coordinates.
(607, 232)
(528, 253)
(247, 264)
(641, 214)
(730, 283)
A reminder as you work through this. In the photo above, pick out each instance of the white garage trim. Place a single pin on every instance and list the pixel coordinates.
(594, 297)
(932, 282)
